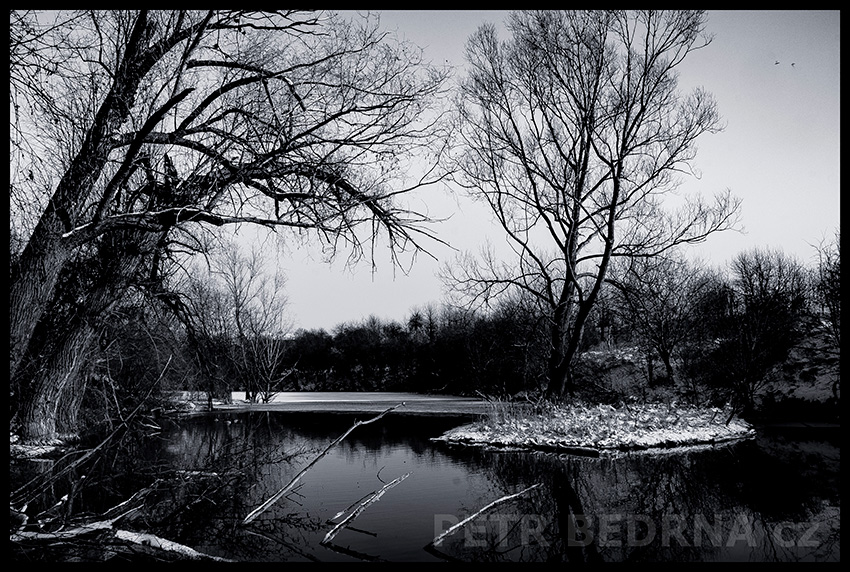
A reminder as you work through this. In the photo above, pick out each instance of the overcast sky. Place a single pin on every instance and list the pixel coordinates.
(779, 153)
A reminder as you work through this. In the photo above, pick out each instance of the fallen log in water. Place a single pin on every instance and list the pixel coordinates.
(109, 542)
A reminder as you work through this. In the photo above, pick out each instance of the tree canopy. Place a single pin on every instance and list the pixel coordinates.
(170, 123)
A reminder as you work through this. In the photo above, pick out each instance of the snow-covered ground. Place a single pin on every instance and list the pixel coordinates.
(603, 428)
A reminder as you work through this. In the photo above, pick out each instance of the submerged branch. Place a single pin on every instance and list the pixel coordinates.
(274, 498)
(374, 497)
(451, 530)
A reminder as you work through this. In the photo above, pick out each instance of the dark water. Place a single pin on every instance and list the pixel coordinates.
(774, 498)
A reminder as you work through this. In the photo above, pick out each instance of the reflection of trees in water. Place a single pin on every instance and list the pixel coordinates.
(677, 506)
(789, 478)
(210, 471)
(260, 447)
(792, 490)
(228, 464)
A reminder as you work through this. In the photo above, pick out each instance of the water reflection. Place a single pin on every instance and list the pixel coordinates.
(257, 445)
(729, 504)
(774, 498)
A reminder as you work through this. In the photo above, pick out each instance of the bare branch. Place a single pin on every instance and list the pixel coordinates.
(275, 497)
(374, 497)
(452, 529)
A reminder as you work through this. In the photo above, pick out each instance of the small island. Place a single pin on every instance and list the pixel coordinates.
(601, 428)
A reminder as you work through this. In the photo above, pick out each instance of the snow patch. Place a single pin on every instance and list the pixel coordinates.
(603, 428)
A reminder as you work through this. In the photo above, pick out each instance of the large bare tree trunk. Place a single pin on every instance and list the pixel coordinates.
(667, 360)
(67, 419)
(31, 290)
(35, 274)
(556, 370)
(47, 394)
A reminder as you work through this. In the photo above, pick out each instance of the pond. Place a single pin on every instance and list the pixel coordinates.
(773, 498)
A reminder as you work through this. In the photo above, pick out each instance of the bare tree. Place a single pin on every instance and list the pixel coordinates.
(658, 298)
(256, 308)
(828, 287)
(828, 296)
(174, 121)
(573, 133)
(204, 312)
(760, 321)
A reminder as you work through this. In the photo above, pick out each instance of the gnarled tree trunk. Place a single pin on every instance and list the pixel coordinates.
(47, 395)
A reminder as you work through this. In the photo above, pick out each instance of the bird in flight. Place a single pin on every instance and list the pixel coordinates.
(792, 64)
(776, 63)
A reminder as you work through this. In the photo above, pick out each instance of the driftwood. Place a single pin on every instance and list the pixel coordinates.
(165, 545)
(451, 530)
(274, 498)
(145, 541)
(112, 539)
(374, 497)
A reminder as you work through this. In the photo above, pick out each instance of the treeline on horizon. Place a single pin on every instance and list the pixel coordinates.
(709, 336)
